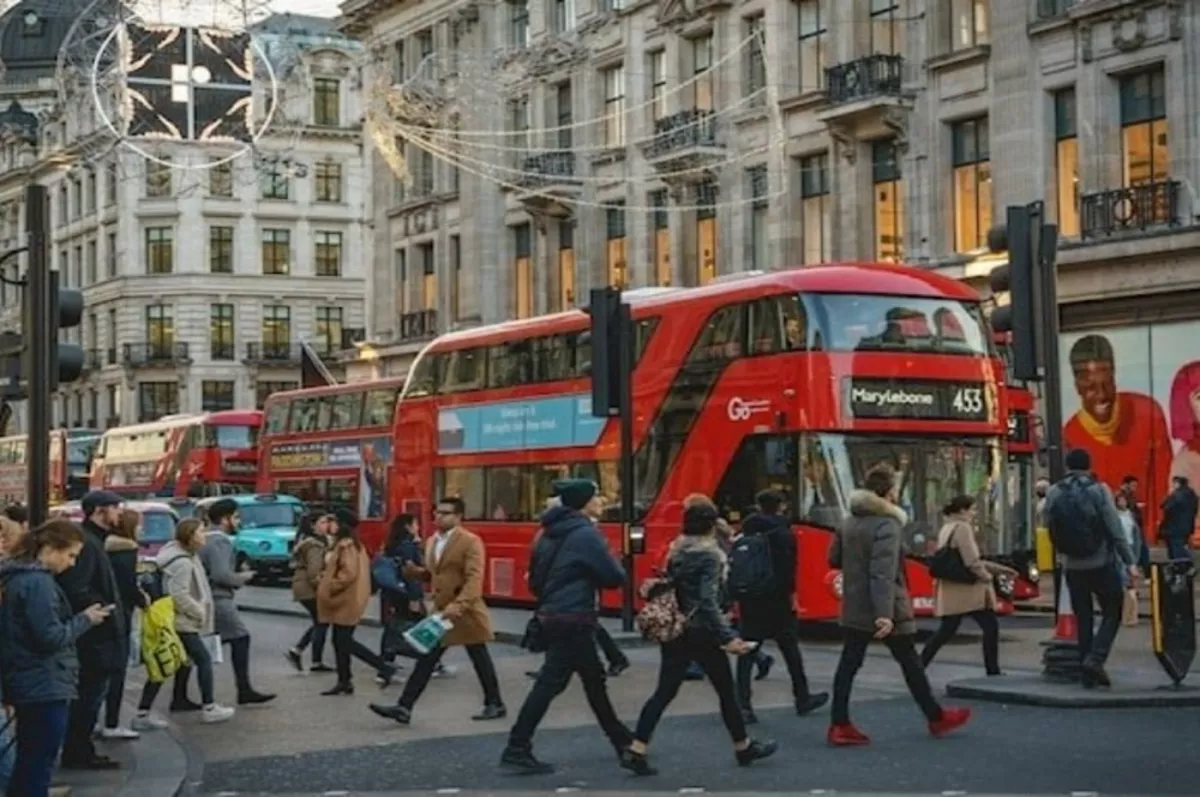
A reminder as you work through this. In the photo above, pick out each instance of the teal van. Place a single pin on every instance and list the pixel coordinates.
(267, 533)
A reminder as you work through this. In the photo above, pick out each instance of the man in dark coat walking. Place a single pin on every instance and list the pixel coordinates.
(102, 650)
(1179, 518)
(771, 613)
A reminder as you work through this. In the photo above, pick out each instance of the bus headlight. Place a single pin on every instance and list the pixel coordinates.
(1032, 573)
(835, 580)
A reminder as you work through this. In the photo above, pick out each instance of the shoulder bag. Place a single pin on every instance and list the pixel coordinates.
(947, 564)
(534, 639)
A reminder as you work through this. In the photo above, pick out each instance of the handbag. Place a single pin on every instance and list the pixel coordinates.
(661, 620)
(947, 564)
(534, 639)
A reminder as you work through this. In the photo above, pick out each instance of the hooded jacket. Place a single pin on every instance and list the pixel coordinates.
(766, 616)
(570, 564)
(186, 582)
(92, 581)
(123, 556)
(869, 552)
(38, 633)
(308, 561)
(696, 567)
(1179, 514)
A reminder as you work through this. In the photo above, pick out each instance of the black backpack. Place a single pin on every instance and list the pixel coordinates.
(1076, 525)
(751, 569)
(151, 582)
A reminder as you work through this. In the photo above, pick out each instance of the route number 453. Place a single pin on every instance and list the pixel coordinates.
(968, 401)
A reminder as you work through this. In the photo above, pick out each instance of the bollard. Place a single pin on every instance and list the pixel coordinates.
(1173, 616)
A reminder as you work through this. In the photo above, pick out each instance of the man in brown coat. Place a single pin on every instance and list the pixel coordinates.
(454, 559)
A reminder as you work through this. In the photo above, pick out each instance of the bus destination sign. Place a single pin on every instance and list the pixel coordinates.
(929, 400)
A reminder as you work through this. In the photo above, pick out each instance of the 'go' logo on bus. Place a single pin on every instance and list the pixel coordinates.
(740, 410)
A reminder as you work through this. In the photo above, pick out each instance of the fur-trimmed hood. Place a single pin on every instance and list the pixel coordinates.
(115, 542)
(865, 503)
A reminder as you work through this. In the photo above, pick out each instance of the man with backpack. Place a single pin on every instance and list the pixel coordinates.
(1087, 535)
(762, 579)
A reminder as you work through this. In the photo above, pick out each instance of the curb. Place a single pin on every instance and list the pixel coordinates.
(163, 764)
(1037, 693)
(1040, 609)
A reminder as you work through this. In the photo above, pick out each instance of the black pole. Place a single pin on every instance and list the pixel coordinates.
(37, 333)
(1047, 260)
(626, 337)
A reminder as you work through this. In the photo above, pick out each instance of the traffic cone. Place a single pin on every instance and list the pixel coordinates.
(1066, 629)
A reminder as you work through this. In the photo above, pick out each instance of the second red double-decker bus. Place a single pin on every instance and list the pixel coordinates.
(798, 380)
(181, 456)
(70, 465)
(331, 447)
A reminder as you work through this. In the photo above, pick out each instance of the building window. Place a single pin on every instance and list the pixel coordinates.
(157, 399)
(424, 47)
(327, 105)
(610, 6)
(110, 255)
(887, 27)
(565, 121)
(706, 232)
(220, 331)
(660, 223)
(276, 327)
(614, 107)
(216, 396)
(658, 84)
(1066, 163)
(756, 67)
(968, 23)
(327, 182)
(523, 269)
(110, 184)
(275, 181)
(399, 64)
(160, 250)
(328, 254)
(812, 45)
(329, 329)
(64, 203)
(815, 208)
(756, 177)
(455, 278)
(91, 262)
(518, 23)
(702, 77)
(428, 276)
(114, 407)
(518, 126)
(402, 280)
(220, 179)
(160, 329)
(158, 178)
(566, 265)
(264, 389)
(564, 15)
(1144, 127)
(276, 251)
(220, 250)
(972, 184)
(889, 201)
(614, 234)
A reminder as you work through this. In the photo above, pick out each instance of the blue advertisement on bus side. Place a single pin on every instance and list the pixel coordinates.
(505, 426)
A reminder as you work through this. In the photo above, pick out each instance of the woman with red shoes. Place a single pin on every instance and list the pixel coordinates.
(876, 605)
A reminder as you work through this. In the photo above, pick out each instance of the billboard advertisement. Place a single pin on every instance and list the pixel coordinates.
(1131, 399)
(556, 422)
(370, 457)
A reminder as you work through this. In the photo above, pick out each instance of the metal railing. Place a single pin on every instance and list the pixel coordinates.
(545, 168)
(272, 352)
(1131, 209)
(418, 324)
(878, 75)
(1050, 9)
(160, 353)
(683, 130)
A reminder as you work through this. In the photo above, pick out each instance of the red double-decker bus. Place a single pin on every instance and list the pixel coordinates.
(70, 465)
(798, 380)
(331, 447)
(181, 456)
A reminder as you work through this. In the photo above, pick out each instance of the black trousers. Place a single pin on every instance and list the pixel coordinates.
(788, 640)
(571, 651)
(315, 633)
(704, 649)
(854, 650)
(481, 660)
(612, 653)
(345, 646)
(85, 709)
(986, 620)
(1104, 584)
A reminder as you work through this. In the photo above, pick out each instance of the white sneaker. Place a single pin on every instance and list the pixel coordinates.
(148, 722)
(445, 671)
(119, 733)
(216, 713)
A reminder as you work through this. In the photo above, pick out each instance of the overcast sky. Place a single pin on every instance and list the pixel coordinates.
(320, 8)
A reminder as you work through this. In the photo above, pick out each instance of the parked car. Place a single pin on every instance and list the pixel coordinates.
(157, 529)
(268, 531)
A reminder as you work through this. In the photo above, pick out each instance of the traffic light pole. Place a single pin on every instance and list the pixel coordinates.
(628, 510)
(37, 334)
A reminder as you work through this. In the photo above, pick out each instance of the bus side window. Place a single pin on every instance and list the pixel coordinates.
(380, 407)
(643, 331)
(277, 416)
(721, 339)
(583, 353)
(325, 412)
(426, 374)
(304, 415)
(551, 359)
(509, 364)
(464, 483)
(346, 410)
(464, 370)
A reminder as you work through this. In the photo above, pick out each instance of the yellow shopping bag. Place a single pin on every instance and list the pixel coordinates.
(162, 650)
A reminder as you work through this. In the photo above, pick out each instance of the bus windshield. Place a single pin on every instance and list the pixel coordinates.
(864, 322)
(157, 527)
(233, 436)
(931, 472)
(268, 514)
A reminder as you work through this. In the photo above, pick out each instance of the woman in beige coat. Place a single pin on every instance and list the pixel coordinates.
(955, 600)
(342, 597)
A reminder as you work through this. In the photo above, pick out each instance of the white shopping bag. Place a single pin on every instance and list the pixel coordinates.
(427, 634)
(216, 651)
(135, 642)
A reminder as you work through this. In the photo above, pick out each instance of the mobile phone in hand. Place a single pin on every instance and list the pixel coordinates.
(110, 608)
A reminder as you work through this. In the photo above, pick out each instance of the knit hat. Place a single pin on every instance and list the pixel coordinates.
(575, 493)
(1078, 459)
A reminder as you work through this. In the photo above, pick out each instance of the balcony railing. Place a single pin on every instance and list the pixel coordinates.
(353, 335)
(878, 75)
(93, 359)
(110, 355)
(1131, 209)
(143, 354)
(418, 325)
(548, 168)
(272, 352)
(1050, 9)
(684, 130)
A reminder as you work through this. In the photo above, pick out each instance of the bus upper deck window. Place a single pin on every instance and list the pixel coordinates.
(346, 410)
(277, 416)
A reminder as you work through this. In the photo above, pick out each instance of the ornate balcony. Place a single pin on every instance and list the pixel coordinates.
(155, 355)
(547, 176)
(861, 91)
(1052, 9)
(1135, 208)
(93, 360)
(272, 353)
(418, 325)
(685, 140)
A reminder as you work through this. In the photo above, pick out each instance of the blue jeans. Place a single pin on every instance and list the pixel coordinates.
(1177, 548)
(8, 749)
(41, 728)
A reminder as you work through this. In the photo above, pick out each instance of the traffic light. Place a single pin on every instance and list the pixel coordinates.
(66, 312)
(610, 324)
(1019, 278)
